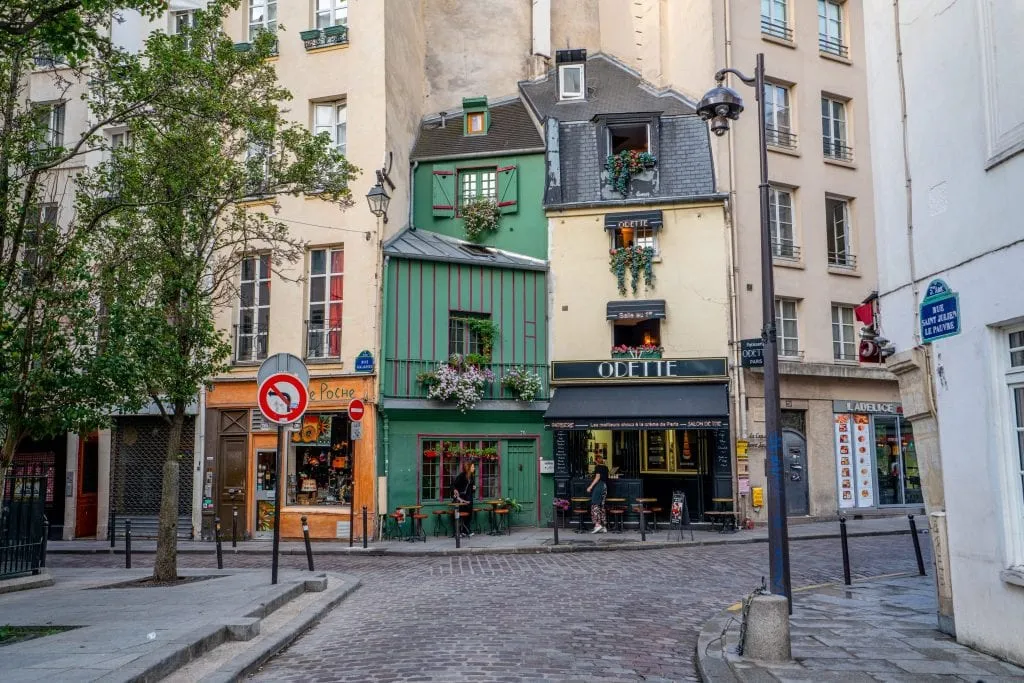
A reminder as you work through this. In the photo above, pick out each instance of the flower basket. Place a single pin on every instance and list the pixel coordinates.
(562, 504)
(457, 382)
(522, 384)
(623, 166)
(312, 34)
(636, 261)
(645, 351)
(480, 217)
(430, 455)
(338, 31)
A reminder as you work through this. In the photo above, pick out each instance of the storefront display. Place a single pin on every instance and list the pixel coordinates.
(320, 471)
(876, 463)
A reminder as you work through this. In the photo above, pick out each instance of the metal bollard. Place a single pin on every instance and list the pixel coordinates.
(112, 527)
(216, 537)
(127, 544)
(364, 527)
(234, 526)
(457, 526)
(556, 525)
(846, 551)
(305, 537)
(917, 546)
(42, 546)
(643, 525)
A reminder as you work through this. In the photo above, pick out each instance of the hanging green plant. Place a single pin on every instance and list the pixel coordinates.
(636, 261)
(480, 217)
(486, 331)
(623, 166)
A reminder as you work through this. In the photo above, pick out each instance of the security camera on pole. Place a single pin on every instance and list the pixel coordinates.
(282, 394)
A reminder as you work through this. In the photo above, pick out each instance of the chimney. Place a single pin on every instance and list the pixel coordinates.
(443, 115)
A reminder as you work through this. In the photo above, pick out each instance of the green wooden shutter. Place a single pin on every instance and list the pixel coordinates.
(444, 191)
(508, 189)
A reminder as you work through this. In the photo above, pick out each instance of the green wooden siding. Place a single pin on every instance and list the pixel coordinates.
(523, 227)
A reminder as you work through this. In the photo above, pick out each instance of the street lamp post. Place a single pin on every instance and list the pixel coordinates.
(719, 106)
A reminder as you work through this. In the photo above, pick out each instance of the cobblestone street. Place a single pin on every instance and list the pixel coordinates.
(592, 616)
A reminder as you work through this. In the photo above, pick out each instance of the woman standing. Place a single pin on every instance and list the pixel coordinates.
(465, 487)
(598, 491)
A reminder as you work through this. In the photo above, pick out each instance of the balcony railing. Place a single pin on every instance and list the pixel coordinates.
(780, 137)
(842, 259)
(322, 343)
(833, 46)
(844, 356)
(835, 149)
(776, 29)
(400, 379)
(785, 250)
(250, 344)
(323, 37)
(790, 353)
(247, 47)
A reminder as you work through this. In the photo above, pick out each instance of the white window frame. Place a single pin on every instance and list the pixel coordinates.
(773, 112)
(835, 127)
(564, 94)
(324, 350)
(55, 114)
(785, 348)
(844, 333)
(336, 125)
(257, 305)
(330, 13)
(773, 7)
(830, 23)
(783, 246)
(838, 232)
(267, 23)
(1010, 350)
(477, 183)
(610, 128)
(189, 15)
(649, 238)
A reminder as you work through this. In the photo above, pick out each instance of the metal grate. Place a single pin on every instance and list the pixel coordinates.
(136, 477)
(258, 424)
(22, 522)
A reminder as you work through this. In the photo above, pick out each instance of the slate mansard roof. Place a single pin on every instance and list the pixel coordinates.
(431, 246)
(512, 130)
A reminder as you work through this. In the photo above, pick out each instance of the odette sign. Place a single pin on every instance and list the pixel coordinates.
(638, 370)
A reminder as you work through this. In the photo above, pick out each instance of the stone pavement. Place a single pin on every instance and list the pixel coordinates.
(135, 633)
(876, 630)
(521, 540)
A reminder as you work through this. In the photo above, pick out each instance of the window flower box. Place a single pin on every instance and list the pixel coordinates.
(312, 34)
(645, 351)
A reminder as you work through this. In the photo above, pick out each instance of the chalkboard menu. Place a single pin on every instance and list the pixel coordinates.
(561, 453)
(723, 459)
(656, 451)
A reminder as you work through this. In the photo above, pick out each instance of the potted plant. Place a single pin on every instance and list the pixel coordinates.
(623, 166)
(458, 382)
(521, 383)
(337, 33)
(642, 351)
(512, 504)
(430, 454)
(480, 217)
(311, 34)
(637, 261)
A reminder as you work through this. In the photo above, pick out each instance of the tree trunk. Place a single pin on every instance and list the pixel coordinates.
(166, 566)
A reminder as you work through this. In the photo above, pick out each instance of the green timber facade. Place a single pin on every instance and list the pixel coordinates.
(482, 300)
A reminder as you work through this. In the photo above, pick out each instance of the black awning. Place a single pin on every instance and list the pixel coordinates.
(676, 406)
(636, 310)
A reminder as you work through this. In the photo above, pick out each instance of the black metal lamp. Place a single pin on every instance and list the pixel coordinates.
(378, 200)
(718, 106)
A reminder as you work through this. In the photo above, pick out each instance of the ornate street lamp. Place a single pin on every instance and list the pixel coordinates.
(378, 200)
(719, 106)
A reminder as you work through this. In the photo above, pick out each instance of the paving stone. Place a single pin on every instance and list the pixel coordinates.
(934, 666)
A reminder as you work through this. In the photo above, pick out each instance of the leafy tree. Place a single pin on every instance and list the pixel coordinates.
(203, 171)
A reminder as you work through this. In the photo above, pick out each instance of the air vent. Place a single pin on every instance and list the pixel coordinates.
(570, 56)
(258, 424)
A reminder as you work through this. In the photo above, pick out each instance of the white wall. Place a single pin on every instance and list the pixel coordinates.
(962, 60)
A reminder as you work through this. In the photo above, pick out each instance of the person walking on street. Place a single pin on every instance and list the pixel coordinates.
(465, 487)
(598, 491)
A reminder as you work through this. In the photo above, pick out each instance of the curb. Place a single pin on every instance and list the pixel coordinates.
(514, 550)
(24, 583)
(248, 662)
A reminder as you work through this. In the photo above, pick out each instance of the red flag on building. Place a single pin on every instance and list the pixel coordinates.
(865, 313)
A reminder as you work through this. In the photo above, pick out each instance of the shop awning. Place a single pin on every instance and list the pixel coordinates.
(644, 309)
(662, 406)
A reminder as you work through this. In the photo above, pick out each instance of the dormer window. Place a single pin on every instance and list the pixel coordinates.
(572, 81)
(629, 137)
(475, 123)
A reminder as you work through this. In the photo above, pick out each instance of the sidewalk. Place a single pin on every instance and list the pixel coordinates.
(521, 540)
(134, 633)
(877, 630)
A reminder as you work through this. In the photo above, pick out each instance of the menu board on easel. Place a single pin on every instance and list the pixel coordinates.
(845, 460)
(861, 438)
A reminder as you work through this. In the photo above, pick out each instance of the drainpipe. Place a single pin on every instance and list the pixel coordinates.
(412, 186)
(198, 482)
(908, 184)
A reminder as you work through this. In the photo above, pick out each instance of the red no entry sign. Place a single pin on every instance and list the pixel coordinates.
(356, 409)
(282, 398)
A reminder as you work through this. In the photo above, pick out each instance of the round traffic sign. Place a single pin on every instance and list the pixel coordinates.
(282, 398)
(356, 409)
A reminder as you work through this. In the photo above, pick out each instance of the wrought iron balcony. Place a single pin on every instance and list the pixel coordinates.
(780, 137)
(835, 149)
(783, 249)
(776, 29)
(842, 259)
(322, 343)
(250, 344)
(833, 46)
(324, 37)
(401, 379)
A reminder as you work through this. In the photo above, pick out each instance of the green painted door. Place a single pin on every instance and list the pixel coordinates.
(520, 478)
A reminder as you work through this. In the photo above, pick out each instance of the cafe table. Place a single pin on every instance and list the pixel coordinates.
(492, 514)
(616, 503)
(579, 508)
(643, 508)
(415, 525)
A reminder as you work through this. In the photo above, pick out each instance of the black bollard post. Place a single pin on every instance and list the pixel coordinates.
(112, 527)
(216, 536)
(846, 551)
(556, 525)
(917, 546)
(42, 545)
(127, 544)
(234, 526)
(364, 527)
(643, 525)
(305, 537)
(457, 525)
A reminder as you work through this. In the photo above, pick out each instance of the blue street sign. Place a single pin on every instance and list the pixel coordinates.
(364, 362)
(940, 312)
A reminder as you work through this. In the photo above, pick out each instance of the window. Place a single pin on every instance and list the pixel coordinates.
(833, 130)
(571, 82)
(1015, 379)
(442, 460)
(644, 236)
(786, 326)
(326, 289)
(475, 122)
(477, 183)
(844, 344)
(464, 336)
(319, 469)
(774, 19)
(837, 226)
(331, 13)
(332, 118)
(776, 116)
(37, 230)
(182, 20)
(262, 17)
(1017, 349)
(632, 337)
(253, 309)
(633, 137)
(780, 217)
(830, 28)
(258, 158)
(50, 119)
